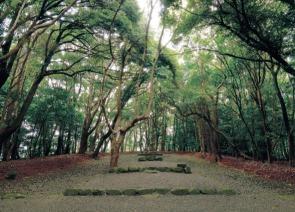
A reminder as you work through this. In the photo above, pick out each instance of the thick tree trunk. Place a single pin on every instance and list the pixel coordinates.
(116, 142)
(6, 148)
(201, 135)
(3, 75)
(84, 141)
(7, 131)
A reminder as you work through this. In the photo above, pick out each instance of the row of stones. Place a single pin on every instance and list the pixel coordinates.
(186, 169)
(150, 154)
(138, 192)
(150, 158)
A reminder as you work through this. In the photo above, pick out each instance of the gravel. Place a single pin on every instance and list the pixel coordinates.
(44, 193)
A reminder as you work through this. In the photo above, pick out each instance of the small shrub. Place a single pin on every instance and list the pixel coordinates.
(158, 159)
(133, 169)
(130, 192)
(195, 191)
(187, 170)
(12, 196)
(177, 169)
(141, 159)
(86, 192)
(182, 165)
(98, 192)
(11, 175)
(152, 168)
(146, 191)
(209, 191)
(122, 170)
(151, 171)
(113, 192)
(112, 170)
(182, 191)
(227, 192)
(163, 169)
(162, 190)
(71, 192)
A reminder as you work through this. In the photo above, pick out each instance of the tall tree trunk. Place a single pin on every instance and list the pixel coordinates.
(285, 119)
(100, 143)
(164, 133)
(7, 131)
(116, 142)
(60, 141)
(84, 141)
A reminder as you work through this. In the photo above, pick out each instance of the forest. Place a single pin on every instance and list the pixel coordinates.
(94, 76)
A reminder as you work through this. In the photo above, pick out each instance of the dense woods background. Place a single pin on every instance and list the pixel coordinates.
(81, 76)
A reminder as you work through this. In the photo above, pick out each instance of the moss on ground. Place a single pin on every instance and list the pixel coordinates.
(227, 192)
(209, 191)
(133, 169)
(177, 170)
(181, 165)
(187, 170)
(180, 191)
(86, 192)
(113, 192)
(146, 191)
(71, 192)
(162, 190)
(98, 192)
(195, 191)
(12, 196)
(150, 158)
(130, 192)
(151, 171)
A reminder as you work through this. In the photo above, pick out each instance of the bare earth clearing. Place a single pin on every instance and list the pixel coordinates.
(44, 193)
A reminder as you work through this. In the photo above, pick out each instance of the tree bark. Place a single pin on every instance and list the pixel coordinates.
(116, 142)
(84, 141)
(286, 120)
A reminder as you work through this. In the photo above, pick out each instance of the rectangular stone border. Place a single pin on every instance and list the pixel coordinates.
(119, 170)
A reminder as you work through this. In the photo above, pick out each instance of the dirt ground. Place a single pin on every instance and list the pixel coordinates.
(44, 192)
